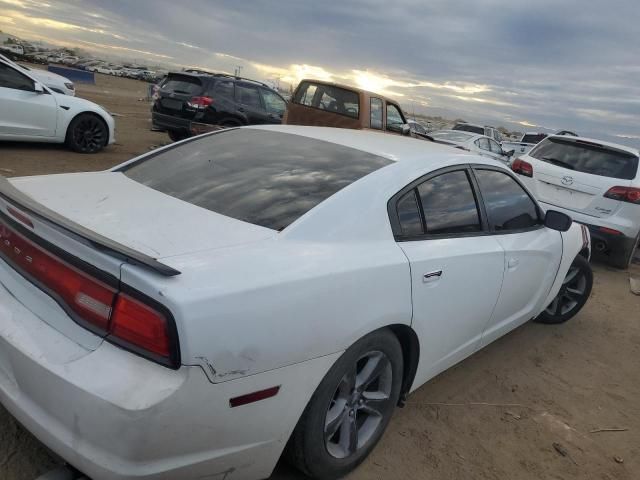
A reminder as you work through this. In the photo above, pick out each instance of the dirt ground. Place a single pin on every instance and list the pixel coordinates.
(526, 407)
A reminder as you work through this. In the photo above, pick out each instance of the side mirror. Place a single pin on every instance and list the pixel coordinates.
(509, 153)
(406, 129)
(37, 87)
(557, 221)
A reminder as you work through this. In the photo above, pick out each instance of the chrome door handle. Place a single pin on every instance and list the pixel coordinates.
(432, 276)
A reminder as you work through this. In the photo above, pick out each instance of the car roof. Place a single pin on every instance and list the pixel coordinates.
(393, 147)
(344, 86)
(611, 145)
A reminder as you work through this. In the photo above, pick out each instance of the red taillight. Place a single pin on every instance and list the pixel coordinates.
(522, 168)
(85, 296)
(200, 102)
(141, 326)
(94, 304)
(624, 194)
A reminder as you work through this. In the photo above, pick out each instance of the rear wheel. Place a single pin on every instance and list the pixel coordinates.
(177, 135)
(87, 133)
(573, 294)
(623, 258)
(350, 409)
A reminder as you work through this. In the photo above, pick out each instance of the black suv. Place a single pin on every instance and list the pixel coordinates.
(187, 103)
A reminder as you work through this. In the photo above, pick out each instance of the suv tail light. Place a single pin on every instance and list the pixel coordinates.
(522, 168)
(200, 103)
(137, 324)
(624, 194)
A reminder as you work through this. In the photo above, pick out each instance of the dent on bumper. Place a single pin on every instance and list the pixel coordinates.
(114, 415)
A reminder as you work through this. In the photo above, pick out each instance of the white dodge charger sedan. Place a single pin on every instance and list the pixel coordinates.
(192, 312)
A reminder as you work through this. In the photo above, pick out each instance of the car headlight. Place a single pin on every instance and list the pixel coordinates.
(69, 86)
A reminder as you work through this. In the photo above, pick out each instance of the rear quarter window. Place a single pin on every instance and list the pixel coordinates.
(329, 98)
(587, 157)
(261, 177)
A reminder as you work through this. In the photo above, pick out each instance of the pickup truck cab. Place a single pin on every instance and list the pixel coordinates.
(327, 104)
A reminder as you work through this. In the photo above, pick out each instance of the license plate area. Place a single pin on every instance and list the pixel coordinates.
(172, 103)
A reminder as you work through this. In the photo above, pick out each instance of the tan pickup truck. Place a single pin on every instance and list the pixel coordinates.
(327, 104)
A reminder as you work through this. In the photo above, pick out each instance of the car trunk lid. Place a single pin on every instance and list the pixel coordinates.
(575, 174)
(92, 224)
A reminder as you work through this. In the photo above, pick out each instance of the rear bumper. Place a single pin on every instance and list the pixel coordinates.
(168, 122)
(116, 416)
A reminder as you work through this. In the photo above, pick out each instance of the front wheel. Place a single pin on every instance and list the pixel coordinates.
(350, 409)
(177, 135)
(87, 133)
(573, 294)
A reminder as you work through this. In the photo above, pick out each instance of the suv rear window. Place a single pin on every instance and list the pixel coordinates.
(329, 98)
(469, 128)
(533, 138)
(587, 157)
(261, 177)
(182, 84)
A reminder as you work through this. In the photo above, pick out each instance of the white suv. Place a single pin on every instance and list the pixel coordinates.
(596, 183)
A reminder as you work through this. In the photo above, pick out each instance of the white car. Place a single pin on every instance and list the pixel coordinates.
(55, 82)
(188, 313)
(486, 130)
(597, 183)
(473, 142)
(31, 112)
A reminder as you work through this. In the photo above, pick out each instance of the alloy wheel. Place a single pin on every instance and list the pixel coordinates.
(571, 294)
(89, 134)
(356, 410)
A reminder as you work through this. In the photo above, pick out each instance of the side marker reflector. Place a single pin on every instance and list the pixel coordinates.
(254, 397)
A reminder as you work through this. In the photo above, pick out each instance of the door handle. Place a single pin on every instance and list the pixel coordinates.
(432, 276)
(513, 263)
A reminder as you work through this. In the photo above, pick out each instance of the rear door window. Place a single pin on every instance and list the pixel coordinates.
(449, 204)
(248, 95)
(483, 144)
(224, 89)
(257, 176)
(587, 157)
(330, 98)
(508, 206)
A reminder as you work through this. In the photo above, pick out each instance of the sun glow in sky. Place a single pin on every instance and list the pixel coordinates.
(495, 65)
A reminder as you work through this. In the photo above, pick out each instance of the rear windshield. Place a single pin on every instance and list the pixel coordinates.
(533, 138)
(587, 158)
(329, 98)
(469, 128)
(182, 84)
(261, 177)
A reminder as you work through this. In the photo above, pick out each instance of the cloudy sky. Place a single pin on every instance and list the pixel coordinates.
(543, 65)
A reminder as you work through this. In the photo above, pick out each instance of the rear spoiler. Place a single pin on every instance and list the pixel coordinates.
(80, 233)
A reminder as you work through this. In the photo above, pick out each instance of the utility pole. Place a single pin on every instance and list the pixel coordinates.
(238, 70)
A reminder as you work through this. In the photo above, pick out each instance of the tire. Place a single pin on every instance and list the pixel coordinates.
(622, 259)
(87, 133)
(574, 293)
(337, 406)
(177, 135)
